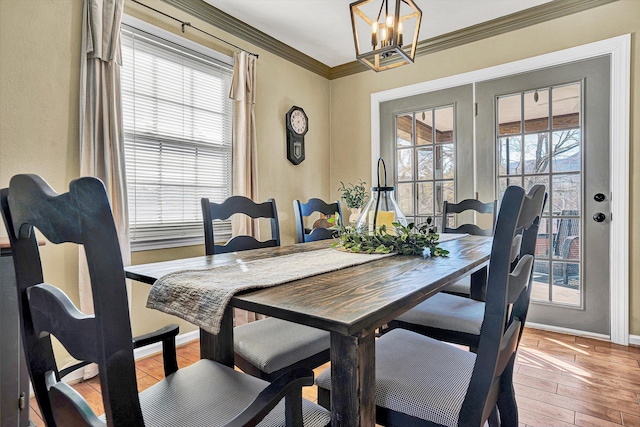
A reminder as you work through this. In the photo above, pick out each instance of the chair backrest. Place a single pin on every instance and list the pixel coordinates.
(302, 210)
(508, 292)
(238, 205)
(466, 205)
(81, 216)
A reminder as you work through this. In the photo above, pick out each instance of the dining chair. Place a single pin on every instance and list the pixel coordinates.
(205, 393)
(457, 319)
(315, 233)
(463, 287)
(421, 381)
(266, 348)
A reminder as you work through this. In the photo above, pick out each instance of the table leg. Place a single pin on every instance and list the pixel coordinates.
(219, 347)
(479, 284)
(353, 381)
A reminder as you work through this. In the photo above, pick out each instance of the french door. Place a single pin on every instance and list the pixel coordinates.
(551, 127)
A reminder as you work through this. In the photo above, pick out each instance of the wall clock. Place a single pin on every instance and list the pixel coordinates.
(297, 124)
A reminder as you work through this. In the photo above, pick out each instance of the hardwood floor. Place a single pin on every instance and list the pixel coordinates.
(560, 380)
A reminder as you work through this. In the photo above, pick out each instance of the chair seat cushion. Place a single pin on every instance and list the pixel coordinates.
(449, 312)
(210, 394)
(272, 344)
(462, 286)
(419, 376)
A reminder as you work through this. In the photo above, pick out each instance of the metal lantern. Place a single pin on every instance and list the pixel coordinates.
(385, 30)
(381, 209)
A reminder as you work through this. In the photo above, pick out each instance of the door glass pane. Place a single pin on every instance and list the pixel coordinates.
(509, 114)
(536, 153)
(566, 238)
(425, 198)
(566, 283)
(503, 183)
(566, 106)
(510, 155)
(565, 196)
(444, 124)
(424, 127)
(444, 191)
(540, 283)
(566, 150)
(425, 163)
(536, 110)
(543, 241)
(405, 198)
(531, 180)
(404, 131)
(405, 164)
(445, 164)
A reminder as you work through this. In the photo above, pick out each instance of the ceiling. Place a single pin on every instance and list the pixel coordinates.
(321, 29)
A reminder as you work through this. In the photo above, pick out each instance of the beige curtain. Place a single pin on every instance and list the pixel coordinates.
(245, 155)
(101, 132)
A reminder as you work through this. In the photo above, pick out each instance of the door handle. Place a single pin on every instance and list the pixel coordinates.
(599, 217)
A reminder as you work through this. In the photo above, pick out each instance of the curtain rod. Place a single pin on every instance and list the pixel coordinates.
(188, 24)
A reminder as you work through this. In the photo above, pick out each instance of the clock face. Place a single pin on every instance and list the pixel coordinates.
(298, 121)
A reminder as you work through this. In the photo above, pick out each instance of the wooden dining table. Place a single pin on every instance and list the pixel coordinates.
(351, 303)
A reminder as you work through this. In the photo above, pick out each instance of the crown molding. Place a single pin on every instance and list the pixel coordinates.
(535, 15)
(233, 26)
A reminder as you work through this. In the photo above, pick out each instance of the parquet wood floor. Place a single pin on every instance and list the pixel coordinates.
(560, 380)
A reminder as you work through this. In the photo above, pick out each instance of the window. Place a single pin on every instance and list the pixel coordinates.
(177, 119)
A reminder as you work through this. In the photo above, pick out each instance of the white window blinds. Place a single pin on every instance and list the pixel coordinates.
(177, 123)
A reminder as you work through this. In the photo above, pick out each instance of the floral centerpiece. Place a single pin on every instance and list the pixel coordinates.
(406, 240)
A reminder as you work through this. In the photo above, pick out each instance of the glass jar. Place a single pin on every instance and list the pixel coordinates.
(381, 209)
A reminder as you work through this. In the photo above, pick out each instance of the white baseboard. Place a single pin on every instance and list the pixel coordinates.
(138, 353)
(155, 348)
(634, 339)
(576, 332)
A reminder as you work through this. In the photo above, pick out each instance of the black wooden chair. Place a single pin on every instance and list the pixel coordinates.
(238, 205)
(303, 210)
(455, 318)
(205, 393)
(463, 287)
(424, 382)
(269, 347)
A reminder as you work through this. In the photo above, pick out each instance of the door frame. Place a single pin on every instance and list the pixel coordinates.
(619, 49)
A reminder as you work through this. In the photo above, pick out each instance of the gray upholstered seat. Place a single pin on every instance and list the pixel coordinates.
(446, 311)
(461, 287)
(429, 384)
(209, 394)
(272, 344)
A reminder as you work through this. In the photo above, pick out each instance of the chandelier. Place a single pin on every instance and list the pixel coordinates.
(384, 31)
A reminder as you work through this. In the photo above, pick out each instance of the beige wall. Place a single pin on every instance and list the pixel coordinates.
(39, 62)
(350, 96)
